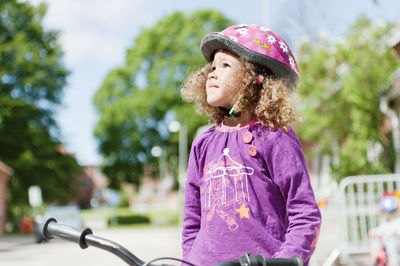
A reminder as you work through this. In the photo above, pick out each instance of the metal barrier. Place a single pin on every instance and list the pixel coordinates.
(358, 210)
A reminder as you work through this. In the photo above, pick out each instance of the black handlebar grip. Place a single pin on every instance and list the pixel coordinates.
(259, 260)
(296, 260)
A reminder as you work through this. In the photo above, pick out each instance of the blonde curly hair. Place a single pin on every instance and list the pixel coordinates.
(270, 102)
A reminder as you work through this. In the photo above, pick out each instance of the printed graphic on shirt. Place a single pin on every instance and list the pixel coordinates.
(244, 212)
(226, 191)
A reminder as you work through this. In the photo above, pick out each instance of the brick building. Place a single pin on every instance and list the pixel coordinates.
(5, 176)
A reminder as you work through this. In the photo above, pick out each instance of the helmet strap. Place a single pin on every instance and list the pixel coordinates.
(232, 112)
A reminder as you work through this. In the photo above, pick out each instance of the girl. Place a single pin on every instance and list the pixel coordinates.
(385, 241)
(248, 188)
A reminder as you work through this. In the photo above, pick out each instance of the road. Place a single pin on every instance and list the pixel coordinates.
(145, 243)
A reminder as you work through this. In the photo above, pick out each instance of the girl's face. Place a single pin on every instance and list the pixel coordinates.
(224, 81)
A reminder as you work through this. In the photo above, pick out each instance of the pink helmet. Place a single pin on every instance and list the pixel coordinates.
(259, 45)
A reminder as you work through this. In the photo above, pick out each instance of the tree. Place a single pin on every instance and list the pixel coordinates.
(138, 100)
(32, 77)
(341, 88)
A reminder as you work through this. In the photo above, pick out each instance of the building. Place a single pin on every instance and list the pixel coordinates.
(5, 176)
(92, 184)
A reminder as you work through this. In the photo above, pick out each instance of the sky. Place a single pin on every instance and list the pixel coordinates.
(95, 34)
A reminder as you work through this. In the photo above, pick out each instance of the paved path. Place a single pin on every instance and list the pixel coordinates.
(329, 238)
(146, 243)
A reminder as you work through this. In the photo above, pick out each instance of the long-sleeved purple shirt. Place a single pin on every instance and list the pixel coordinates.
(248, 190)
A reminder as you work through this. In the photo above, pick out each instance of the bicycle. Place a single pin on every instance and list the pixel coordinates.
(85, 238)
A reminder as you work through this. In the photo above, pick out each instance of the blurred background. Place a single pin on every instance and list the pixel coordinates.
(94, 132)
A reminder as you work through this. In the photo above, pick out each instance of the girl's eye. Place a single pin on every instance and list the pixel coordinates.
(226, 65)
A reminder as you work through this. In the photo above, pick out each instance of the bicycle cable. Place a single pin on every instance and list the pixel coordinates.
(167, 258)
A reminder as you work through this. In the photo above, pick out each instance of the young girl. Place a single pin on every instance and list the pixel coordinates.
(387, 234)
(248, 188)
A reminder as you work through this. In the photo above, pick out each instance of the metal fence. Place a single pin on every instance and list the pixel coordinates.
(357, 209)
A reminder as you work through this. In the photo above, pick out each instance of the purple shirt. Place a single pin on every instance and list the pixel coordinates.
(248, 190)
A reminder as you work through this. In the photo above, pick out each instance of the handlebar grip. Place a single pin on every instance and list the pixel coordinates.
(296, 260)
(52, 228)
(259, 260)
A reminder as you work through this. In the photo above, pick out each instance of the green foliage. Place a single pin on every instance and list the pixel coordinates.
(129, 219)
(32, 77)
(341, 89)
(138, 100)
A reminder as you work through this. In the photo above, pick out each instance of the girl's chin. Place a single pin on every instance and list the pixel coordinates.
(216, 103)
(212, 103)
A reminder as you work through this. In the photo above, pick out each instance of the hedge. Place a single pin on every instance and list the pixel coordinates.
(130, 219)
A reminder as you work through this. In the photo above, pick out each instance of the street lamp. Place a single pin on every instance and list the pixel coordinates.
(175, 126)
(157, 151)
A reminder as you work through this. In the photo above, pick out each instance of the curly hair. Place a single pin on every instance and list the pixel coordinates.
(269, 102)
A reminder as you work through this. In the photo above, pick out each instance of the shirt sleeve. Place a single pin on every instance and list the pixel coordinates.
(192, 208)
(289, 173)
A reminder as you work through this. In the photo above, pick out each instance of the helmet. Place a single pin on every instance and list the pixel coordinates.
(258, 45)
(389, 203)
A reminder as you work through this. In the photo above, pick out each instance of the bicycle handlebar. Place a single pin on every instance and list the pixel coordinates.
(85, 238)
(249, 260)
(51, 228)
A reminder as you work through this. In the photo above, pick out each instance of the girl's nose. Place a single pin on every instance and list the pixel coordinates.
(211, 75)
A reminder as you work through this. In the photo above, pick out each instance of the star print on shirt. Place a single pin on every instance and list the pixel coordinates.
(244, 212)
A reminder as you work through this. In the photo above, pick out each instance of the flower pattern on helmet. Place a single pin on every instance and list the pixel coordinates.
(283, 46)
(292, 63)
(233, 38)
(271, 39)
(242, 31)
(245, 34)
